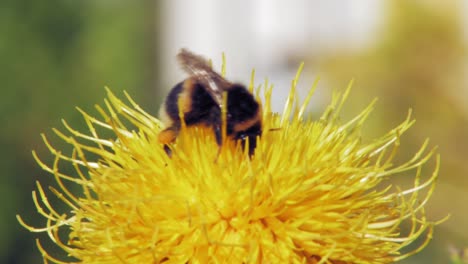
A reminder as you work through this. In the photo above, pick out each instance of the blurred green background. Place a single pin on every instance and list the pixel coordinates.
(55, 55)
(58, 54)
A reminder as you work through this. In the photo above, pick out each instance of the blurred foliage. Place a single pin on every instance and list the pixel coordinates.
(418, 63)
(55, 55)
(458, 256)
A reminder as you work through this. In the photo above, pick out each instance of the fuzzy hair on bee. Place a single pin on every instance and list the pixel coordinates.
(200, 98)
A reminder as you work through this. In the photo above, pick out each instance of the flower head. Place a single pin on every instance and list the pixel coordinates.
(313, 192)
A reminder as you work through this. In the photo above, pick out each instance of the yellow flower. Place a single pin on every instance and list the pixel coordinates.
(314, 192)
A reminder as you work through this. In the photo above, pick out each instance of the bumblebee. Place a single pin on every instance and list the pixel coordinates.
(200, 99)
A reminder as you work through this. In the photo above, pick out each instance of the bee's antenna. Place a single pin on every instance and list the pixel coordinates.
(274, 129)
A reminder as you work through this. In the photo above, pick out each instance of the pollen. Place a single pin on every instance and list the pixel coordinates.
(314, 191)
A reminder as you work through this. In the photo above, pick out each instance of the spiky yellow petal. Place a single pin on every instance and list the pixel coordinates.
(314, 192)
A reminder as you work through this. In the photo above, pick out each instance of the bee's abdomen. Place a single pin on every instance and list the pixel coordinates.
(196, 104)
(171, 103)
(203, 108)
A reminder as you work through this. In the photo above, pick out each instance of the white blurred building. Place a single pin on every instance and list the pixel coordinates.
(272, 36)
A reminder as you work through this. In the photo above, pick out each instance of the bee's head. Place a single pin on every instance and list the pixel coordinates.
(250, 135)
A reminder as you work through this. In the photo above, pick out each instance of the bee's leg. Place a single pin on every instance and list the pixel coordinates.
(252, 144)
(168, 150)
(219, 140)
(218, 134)
(168, 136)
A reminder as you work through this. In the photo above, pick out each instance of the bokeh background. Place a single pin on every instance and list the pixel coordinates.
(58, 54)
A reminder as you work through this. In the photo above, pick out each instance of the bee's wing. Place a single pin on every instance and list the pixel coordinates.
(199, 68)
